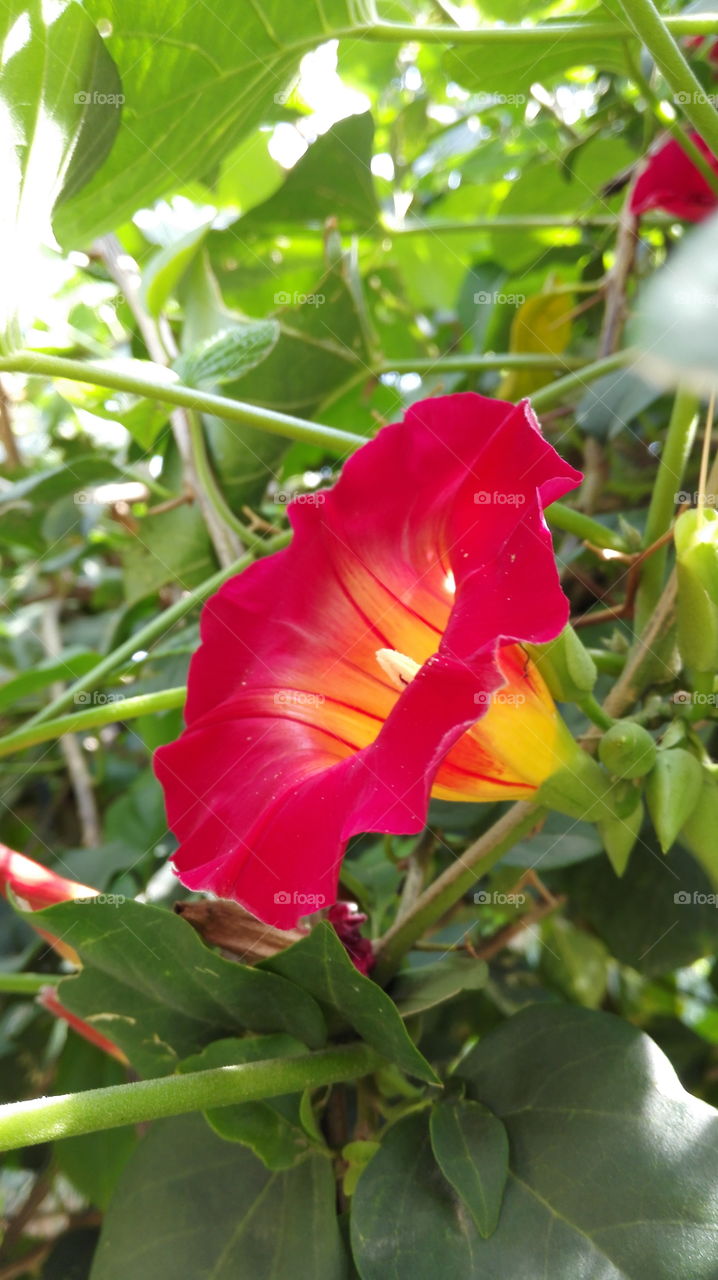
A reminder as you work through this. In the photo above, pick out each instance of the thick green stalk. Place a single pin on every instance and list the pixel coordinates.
(109, 710)
(444, 892)
(67, 1115)
(168, 392)
(658, 36)
(481, 363)
(542, 34)
(158, 626)
(554, 392)
(679, 440)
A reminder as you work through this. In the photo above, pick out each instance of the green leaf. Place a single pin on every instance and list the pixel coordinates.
(472, 1150)
(167, 267)
(333, 179)
(151, 985)
(194, 84)
(190, 1205)
(574, 962)
(427, 985)
(228, 354)
(272, 1130)
(56, 482)
(613, 1166)
(73, 662)
(60, 97)
(322, 967)
(510, 68)
(659, 916)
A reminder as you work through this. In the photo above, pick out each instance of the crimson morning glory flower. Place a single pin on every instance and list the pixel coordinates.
(376, 661)
(670, 181)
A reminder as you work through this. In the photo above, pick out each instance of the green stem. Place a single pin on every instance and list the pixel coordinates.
(595, 712)
(545, 33)
(584, 527)
(679, 440)
(208, 480)
(113, 708)
(158, 626)
(446, 891)
(481, 363)
(658, 36)
(552, 394)
(165, 391)
(524, 222)
(26, 984)
(67, 1115)
(609, 664)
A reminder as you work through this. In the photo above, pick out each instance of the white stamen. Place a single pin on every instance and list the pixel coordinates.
(400, 669)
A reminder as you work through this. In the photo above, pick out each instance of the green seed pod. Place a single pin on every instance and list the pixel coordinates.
(566, 666)
(696, 538)
(581, 789)
(619, 835)
(672, 791)
(627, 750)
(700, 833)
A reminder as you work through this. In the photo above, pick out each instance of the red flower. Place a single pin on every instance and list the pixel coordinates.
(670, 181)
(339, 682)
(346, 921)
(36, 887)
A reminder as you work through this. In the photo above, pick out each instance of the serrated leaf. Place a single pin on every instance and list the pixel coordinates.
(322, 967)
(228, 354)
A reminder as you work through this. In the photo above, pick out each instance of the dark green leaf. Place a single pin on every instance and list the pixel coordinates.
(472, 1151)
(191, 1207)
(273, 1129)
(430, 984)
(153, 988)
(322, 967)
